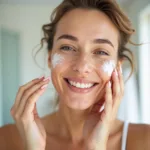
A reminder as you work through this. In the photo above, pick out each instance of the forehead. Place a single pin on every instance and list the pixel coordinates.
(87, 25)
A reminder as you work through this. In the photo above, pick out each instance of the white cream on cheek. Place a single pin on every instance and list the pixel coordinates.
(108, 67)
(57, 59)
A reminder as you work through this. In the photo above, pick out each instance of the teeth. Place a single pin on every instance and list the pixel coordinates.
(80, 85)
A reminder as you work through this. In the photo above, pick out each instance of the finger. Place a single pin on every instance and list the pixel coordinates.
(38, 121)
(35, 112)
(116, 85)
(30, 104)
(116, 92)
(28, 93)
(120, 75)
(96, 108)
(108, 103)
(98, 105)
(22, 89)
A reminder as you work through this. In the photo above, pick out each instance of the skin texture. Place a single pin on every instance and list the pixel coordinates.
(82, 57)
(72, 124)
(85, 59)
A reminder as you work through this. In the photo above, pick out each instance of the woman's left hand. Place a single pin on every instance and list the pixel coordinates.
(97, 139)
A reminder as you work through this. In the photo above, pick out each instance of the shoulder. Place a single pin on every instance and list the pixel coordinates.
(10, 138)
(138, 137)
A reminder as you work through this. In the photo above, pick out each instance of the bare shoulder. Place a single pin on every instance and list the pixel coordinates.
(10, 138)
(138, 137)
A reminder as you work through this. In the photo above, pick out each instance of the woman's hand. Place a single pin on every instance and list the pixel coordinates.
(97, 139)
(25, 114)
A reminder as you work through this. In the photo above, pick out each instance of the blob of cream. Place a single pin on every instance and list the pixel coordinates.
(57, 59)
(108, 67)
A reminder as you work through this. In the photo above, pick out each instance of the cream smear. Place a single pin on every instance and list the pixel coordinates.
(108, 67)
(57, 59)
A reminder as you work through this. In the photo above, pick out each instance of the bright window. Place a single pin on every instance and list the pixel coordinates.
(144, 64)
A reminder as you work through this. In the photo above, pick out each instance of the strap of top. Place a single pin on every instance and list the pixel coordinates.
(124, 135)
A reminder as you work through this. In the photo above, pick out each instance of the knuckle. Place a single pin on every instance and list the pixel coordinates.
(21, 88)
(27, 93)
(32, 97)
(12, 112)
(30, 100)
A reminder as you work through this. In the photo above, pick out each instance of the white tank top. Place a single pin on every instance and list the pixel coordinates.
(124, 135)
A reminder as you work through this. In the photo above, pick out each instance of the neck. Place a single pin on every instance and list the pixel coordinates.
(71, 123)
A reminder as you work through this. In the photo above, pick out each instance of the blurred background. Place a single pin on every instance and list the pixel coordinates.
(20, 34)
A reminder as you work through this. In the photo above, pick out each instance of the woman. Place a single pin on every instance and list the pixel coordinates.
(86, 47)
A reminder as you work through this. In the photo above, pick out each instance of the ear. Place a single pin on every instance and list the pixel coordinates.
(49, 59)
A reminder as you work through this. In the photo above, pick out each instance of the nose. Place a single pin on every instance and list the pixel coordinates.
(83, 65)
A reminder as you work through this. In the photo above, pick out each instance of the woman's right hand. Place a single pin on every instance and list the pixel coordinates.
(25, 114)
(100, 122)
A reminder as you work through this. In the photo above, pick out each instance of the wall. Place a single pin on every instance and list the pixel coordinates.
(134, 10)
(27, 20)
(1, 120)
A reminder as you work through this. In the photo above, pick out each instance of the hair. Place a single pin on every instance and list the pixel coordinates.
(110, 8)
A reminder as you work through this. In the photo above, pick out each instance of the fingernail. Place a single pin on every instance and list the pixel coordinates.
(44, 86)
(48, 78)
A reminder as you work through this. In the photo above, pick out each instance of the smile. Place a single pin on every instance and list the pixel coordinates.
(80, 87)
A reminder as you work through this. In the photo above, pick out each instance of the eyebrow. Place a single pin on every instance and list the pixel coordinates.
(96, 41)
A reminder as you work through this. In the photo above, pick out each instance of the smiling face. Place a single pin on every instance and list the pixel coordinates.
(83, 57)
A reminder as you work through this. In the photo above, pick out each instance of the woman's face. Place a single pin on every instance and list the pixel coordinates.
(83, 57)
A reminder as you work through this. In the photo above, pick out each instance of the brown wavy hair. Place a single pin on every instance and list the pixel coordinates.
(110, 8)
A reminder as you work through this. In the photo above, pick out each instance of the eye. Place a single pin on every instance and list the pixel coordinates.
(101, 53)
(66, 48)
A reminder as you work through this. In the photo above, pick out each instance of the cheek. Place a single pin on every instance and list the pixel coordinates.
(59, 65)
(57, 60)
(107, 68)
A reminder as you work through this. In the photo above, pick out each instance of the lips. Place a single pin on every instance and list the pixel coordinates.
(80, 81)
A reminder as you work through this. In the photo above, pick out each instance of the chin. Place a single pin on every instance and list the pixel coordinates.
(78, 103)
